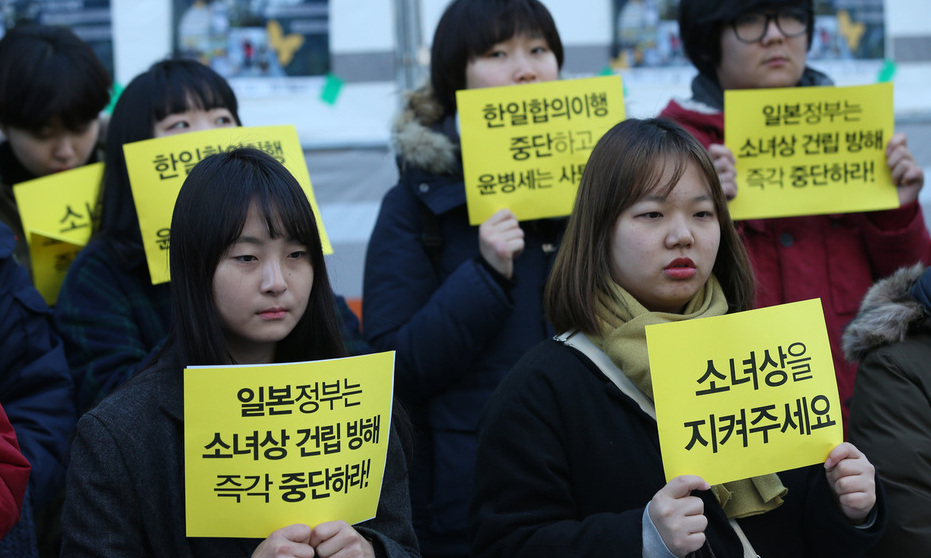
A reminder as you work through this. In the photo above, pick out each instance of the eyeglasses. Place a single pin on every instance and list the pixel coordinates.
(751, 27)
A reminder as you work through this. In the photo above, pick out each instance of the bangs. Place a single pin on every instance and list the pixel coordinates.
(72, 106)
(491, 29)
(52, 78)
(731, 9)
(194, 87)
(287, 215)
(664, 174)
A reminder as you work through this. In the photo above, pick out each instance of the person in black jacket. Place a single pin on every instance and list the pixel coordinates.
(459, 303)
(249, 286)
(568, 461)
(52, 90)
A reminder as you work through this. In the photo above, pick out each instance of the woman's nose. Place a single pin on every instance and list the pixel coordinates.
(273, 281)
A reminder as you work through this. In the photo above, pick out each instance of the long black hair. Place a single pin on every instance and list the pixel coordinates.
(170, 86)
(209, 215)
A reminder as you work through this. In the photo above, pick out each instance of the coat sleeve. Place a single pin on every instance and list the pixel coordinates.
(523, 503)
(437, 327)
(103, 342)
(391, 531)
(98, 519)
(890, 422)
(14, 475)
(36, 387)
(896, 238)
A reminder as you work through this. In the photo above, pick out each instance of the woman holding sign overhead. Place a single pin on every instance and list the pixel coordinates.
(459, 303)
(568, 460)
(741, 44)
(249, 286)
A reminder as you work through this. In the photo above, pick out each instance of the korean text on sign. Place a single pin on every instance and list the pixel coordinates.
(157, 169)
(58, 213)
(810, 150)
(525, 147)
(268, 446)
(745, 394)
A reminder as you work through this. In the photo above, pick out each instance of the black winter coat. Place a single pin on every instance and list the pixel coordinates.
(567, 463)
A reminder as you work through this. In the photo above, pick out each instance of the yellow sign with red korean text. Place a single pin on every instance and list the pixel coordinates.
(525, 147)
(266, 446)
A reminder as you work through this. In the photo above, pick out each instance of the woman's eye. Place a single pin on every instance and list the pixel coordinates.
(297, 254)
(705, 214)
(246, 258)
(652, 215)
(222, 120)
(180, 124)
(540, 50)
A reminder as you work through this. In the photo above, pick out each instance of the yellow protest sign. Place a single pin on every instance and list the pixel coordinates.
(51, 259)
(525, 147)
(58, 212)
(157, 169)
(745, 394)
(810, 150)
(271, 445)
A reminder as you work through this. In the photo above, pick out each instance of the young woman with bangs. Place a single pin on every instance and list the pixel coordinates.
(459, 303)
(568, 461)
(249, 286)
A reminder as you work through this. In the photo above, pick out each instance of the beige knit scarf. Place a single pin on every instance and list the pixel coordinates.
(622, 321)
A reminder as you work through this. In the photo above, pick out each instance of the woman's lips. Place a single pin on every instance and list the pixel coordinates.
(680, 268)
(776, 61)
(273, 313)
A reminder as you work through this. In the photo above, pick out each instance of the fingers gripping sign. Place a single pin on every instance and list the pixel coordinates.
(907, 174)
(852, 480)
(500, 240)
(292, 541)
(333, 539)
(338, 539)
(679, 516)
(726, 166)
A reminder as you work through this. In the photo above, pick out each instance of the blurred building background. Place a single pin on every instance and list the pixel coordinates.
(335, 69)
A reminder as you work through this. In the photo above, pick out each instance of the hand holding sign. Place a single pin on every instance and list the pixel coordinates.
(293, 540)
(906, 174)
(338, 537)
(852, 479)
(725, 166)
(500, 240)
(679, 516)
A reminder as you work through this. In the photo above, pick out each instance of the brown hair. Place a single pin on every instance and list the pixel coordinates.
(627, 163)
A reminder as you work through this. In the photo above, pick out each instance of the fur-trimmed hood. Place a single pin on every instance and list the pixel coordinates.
(418, 135)
(887, 314)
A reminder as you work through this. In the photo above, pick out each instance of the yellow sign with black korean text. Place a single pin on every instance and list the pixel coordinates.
(157, 169)
(745, 394)
(525, 147)
(58, 212)
(810, 150)
(267, 446)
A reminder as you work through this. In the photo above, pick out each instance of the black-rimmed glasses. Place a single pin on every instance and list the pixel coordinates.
(751, 27)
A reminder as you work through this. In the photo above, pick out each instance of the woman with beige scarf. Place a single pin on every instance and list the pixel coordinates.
(568, 461)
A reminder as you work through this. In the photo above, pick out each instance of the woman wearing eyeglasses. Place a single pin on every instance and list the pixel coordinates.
(747, 44)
